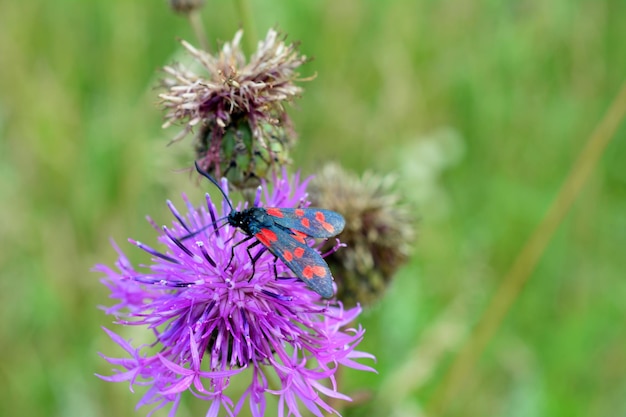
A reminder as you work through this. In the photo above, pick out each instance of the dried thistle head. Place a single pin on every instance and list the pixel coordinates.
(185, 6)
(379, 231)
(244, 132)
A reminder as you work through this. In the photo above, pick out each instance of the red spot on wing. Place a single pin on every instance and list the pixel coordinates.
(266, 237)
(305, 222)
(299, 236)
(273, 211)
(319, 216)
(288, 255)
(299, 212)
(298, 252)
(320, 271)
(310, 271)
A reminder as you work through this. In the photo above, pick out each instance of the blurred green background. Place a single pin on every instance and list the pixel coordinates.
(478, 107)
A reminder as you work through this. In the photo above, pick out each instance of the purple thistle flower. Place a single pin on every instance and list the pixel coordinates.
(211, 323)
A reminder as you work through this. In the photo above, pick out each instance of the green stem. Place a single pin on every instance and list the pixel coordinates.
(244, 9)
(528, 257)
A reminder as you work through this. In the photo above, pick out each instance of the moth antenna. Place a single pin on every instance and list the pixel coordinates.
(214, 181)
(216, 227)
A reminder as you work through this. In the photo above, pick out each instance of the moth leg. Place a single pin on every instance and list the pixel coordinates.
(275, 271)
(232, 250)
(255, 258)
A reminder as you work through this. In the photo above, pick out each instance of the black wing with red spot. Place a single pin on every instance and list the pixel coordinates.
(284, 233)
(313, 222)
(304, 261)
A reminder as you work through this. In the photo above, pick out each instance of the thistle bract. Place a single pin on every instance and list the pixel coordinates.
(233, 152)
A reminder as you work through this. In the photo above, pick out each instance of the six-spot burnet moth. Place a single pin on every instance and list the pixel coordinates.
(283, 231)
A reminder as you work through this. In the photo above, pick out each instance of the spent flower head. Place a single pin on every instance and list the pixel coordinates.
(237, 106)
(211, 319)
(186, 6)
(378, 234)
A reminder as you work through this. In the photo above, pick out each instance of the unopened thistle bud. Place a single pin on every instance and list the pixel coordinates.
(244, 131)
(379, 231)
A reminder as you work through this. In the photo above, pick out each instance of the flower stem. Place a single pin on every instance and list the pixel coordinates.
(247, 22)
(528, 257)
(198, 27)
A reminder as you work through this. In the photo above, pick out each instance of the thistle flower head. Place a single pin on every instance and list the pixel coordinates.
(378, 234)
(211, 319)
(239, 107)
